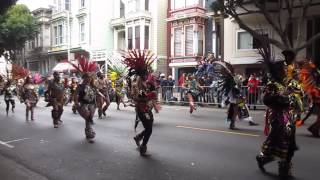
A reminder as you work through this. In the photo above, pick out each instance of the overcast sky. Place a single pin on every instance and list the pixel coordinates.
(34, 4)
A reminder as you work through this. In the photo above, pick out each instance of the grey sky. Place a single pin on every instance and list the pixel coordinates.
(34, 4)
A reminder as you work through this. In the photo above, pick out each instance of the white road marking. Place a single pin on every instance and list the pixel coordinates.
(10, 146)
(16, 140)
(215, 130)
(7, 145)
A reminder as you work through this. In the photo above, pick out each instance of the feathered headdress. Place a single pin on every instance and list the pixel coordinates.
(226, 76)
(85, 66)
(310, 78)
(19, 72)
(139, 62)
(275, 68)
(116, 71)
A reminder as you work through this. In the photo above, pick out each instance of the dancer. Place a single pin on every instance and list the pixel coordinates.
(30, 97)
(103, 102)
(193, 91)
(56, 96)
(9, 96)
(73, 93)
(86, 95)
(139, 63)
(279, 128)
(116, 73)
(229, 90)
(310, 77)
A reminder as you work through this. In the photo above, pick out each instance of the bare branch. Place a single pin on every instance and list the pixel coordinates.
(270, 20)
(255, 34)
(302, 19)
(280, 3)
(315, 37)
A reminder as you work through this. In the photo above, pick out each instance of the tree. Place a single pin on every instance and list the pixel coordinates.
(4, 4)
(17, 26)
(281, 15)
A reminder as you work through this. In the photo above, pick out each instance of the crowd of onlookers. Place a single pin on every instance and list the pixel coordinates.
(207, 87)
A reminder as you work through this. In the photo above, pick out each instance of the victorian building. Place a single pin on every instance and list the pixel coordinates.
(34, 55)
(80, 27)
(194, 30)
(140, 24)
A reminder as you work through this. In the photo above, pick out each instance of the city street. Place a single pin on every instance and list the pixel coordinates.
(183, 146)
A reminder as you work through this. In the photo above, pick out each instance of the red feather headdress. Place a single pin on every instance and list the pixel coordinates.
(19, 72)
(139, 62)
(310, 78)
(84, 65)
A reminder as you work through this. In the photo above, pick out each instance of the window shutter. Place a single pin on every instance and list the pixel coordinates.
(189, 40)
(177, 42)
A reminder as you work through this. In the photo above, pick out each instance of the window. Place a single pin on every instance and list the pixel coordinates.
(244, 40)
(137, 5)
(82, 31)
(191, 2)
(200, 40)
(122, 10)
(189, 40)
(137, 37)
(55, 30)
(82, 3)
(67, 5)
(177, 42)
(60, 31)
(130, 6)
(59, 5)
(146, 37)
(130, 43)
(178, 4)
(146, 5)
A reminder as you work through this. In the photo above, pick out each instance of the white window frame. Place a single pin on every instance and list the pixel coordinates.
(237, 40)
(265, 31)
(144, 44)
(181, 42)
(60, 34)
(55, 35)
(185, 40)
(82, 32)
(196, 3)
(203, 40)
(82, 4)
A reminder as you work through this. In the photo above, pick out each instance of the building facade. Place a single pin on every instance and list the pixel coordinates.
(240, 47)
(140, 24)
(34, 55)
(80, 27)
(194, 30)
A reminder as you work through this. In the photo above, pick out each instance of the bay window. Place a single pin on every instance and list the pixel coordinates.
(130, 44)
(200, 40)
(178, 41)
(137, 37)
(189, 40)
(146, 37)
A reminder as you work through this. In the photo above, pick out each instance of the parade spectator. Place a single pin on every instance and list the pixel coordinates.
(253, 84)
(163, 85)
(170, 84)
(181, 83)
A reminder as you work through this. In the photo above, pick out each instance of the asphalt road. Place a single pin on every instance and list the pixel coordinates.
(183, 146)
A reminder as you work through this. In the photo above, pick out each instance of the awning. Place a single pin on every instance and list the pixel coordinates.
(64, 67)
